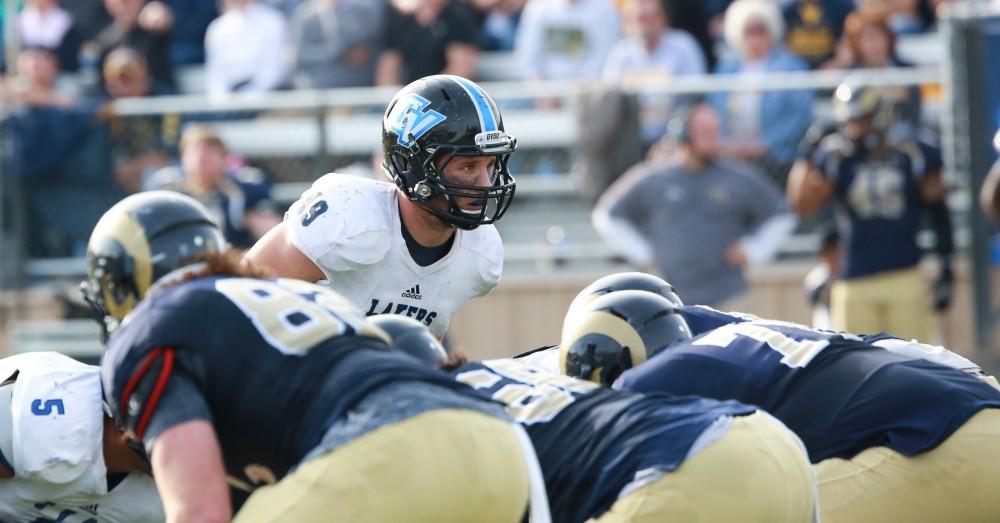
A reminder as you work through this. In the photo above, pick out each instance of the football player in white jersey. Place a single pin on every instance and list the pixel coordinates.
(61, 457)
(426, 245)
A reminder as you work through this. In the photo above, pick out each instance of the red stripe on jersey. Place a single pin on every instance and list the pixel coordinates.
(154, 397)
(134, 380)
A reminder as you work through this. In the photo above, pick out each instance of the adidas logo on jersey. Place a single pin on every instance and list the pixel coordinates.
(414, 293)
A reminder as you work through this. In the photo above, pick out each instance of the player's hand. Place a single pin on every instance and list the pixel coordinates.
(156, 17)
(736, 257)
(943, 290)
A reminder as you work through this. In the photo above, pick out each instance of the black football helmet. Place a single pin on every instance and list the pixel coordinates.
(138, 241)
(431, 121)
(617, 331)
(624, 281)
(411, 337)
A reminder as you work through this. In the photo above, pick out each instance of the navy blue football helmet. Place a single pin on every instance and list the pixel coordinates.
(137, 242)
(433, 120)
(616, 332)
(411, 337)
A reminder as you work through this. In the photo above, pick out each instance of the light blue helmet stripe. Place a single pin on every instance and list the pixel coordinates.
(487, 120)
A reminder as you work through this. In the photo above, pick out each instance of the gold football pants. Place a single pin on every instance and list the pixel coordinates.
(445, 465)
(956, 481)
(757, 471)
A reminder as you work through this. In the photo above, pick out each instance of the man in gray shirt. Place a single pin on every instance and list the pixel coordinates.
(698, 218)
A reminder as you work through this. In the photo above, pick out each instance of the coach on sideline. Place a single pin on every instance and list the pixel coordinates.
(423, 247)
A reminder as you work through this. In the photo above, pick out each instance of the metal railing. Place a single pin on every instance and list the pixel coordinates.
(298, 135)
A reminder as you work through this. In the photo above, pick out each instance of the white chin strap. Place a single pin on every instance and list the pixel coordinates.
(7, 424)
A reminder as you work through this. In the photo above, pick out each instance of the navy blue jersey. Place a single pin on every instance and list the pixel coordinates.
(702, 318)
(592, 441)
(878, 205)
(270, 363)
(838, 393)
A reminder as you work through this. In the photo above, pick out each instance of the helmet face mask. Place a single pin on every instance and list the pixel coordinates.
(428, 124)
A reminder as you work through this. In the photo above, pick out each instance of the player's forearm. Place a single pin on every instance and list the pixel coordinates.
(623, 238)
(187, 465)
(761, 246)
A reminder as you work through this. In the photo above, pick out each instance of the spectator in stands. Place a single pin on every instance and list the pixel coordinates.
(43, 23)
(694, 19)
(57, 154)
(245, 50)
(870, 43)
(881, 192)
(904, 16)
(335, 43)
(652, 52)
(34, 82)
(239, 198)
(187, 36)
(700, 220)
(763, 128)
(89, 16)
(138, 143)
(814, 27)
(287, 8)
(144, 27)
(427, 37)
(566, 39)
(498, 23)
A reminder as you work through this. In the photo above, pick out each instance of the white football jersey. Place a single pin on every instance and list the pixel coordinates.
(350, 228)
(547, 359)
(58, 454)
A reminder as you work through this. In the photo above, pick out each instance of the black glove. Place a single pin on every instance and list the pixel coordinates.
(943, 290)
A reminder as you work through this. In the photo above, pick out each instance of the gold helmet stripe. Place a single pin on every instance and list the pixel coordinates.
(126, 231)
(601, 322)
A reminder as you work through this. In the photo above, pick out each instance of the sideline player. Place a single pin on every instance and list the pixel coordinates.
(426, 245)
(610, 456)
(61, 457)
(880, 189)
(282, 386)
(894, 437)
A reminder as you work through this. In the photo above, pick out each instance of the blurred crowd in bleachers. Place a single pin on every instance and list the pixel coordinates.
(63, 61)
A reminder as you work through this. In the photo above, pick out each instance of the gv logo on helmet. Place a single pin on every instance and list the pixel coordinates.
(410, 119)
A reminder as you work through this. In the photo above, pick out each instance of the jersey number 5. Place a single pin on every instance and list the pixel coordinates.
(38, 408)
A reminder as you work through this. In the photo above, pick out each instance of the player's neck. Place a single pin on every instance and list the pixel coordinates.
(424, 227)
(5, 473)
(118, 457)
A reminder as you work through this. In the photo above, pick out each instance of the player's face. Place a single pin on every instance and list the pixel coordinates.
(859, 128)
(470, 171)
